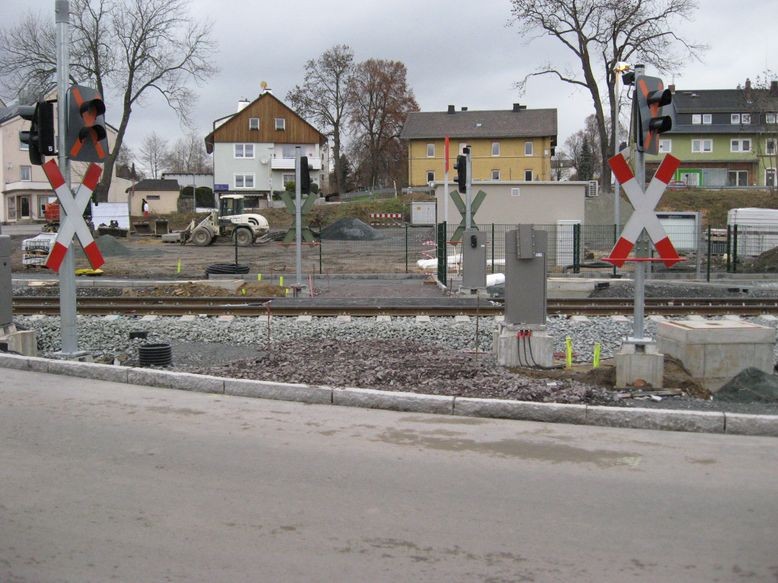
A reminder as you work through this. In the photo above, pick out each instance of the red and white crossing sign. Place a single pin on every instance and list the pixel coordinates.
(644, 215)
(73, 222)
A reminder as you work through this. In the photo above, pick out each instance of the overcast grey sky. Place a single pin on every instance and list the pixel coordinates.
(457, 52)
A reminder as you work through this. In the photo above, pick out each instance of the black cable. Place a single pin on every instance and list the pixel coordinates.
(538, 365)
(226, 268)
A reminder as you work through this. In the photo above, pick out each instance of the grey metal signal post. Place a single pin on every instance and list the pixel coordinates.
(67, 278)
(298, 217)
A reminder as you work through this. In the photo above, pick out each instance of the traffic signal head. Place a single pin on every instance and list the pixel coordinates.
(651, 98)
(305, 175)
(86, 136)
(461, 168)
(40, 137)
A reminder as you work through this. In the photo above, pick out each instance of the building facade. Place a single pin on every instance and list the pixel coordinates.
(254, 149)
(725, 138)
(512, 145)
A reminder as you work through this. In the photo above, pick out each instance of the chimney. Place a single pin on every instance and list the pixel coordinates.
(452, 109)
(464, 109)
(747, 91)
(242, 104)
(774, 88)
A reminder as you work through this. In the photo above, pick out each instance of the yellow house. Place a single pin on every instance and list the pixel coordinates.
(510, 145)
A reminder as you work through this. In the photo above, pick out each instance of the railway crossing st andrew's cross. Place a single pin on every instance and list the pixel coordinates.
(73, 221)
(644, 215)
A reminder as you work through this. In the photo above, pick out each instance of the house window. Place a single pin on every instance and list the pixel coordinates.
(707, 119)
(769, 118)
(280, 123)
(699, 146)
(769, 177)
(528, 148)
(495, 148)
(430, 176)
(495, 174)
(740, 145)
(244, 150)
(770, 146)
(737, 178)
(745, 118)
(528, 175)
(152, 197)
(244, 181)
(253, 123)
(23, 146)
(25, 173)
(665, 146)
(734, 118)
(515, 191)
(702, 118)
(430, 150)
(696, 119)
(286, 179)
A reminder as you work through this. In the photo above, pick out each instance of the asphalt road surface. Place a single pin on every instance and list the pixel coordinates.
(107, 482)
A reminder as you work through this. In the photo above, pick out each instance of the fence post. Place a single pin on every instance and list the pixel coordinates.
(406, 247)
(707, 275)
(492, 247)
(729, 248)
(734, 248)
(577, 248)
(320, 247)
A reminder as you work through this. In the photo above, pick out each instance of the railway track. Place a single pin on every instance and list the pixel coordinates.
(248, 307)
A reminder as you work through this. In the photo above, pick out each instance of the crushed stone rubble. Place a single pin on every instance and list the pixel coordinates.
(437, 357)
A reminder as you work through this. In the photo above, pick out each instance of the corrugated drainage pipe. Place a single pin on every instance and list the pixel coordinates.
(160, 354)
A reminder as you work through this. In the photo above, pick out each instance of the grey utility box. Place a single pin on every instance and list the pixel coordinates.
(473, 259)
(525, 276)
(6, 317)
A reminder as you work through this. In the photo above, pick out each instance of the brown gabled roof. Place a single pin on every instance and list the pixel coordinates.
(524, 123)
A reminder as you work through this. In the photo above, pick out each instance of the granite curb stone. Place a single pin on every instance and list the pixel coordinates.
(176, 380)
(14, 362)
(742, 424)
(666, 419)
(89, 370)
(279, 391)
(520, 410)
(395, 401)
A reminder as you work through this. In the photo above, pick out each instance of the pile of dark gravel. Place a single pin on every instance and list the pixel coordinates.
(350, 230)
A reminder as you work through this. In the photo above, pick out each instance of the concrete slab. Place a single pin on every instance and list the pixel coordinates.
(305, 318)
(383, 319)
(423, 320)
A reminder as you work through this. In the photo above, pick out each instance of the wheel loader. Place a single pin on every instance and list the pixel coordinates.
(229, 221)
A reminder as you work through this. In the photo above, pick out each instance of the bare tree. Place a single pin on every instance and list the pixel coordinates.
(126, 48)
(322, 98)
(379, 101)
(602, 33)
(188, 155)
(154, 154)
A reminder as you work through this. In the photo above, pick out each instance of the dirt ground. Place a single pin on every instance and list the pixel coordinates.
(148, 257)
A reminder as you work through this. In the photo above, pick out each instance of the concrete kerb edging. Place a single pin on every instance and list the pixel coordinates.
(625, 417)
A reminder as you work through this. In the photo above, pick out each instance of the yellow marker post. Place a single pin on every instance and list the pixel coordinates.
(259, 277)
(286, 292)
(178, 266)
(243, 291)
(569, 352)
(597, 351)
(281, 281)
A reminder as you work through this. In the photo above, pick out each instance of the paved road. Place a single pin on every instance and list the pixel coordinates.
(102, 481)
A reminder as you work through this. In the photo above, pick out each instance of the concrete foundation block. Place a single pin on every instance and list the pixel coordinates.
(175, 380)
(669, 420)
(535, 350)
(395, 401)
(715, 351)
(88, 370)
(521, 410)
(24, 342)
(742, 424)
(639, 362)
(278, 391)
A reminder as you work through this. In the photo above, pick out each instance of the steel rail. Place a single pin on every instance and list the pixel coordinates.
(254, 306)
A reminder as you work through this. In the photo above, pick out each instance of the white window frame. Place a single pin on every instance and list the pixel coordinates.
(707, 119)
(770, 118)
(737, 145)
(430, 150)
(771, 146)
(775, 176)
(696, 119)
(734, 119)
(24, 169)
(243, 151)
(745, 118)
(495, 148)
(496, 174)
(701, 143)
(738, 173)
(252, 125)
(280, 126)
(242, 180)
(530, 174)
(529, 149)
(515, 191)
(665, 146)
